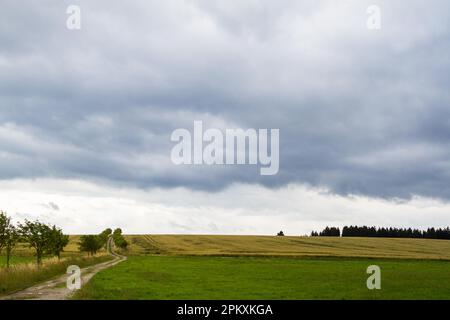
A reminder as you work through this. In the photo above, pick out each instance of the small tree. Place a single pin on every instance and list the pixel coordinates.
(38, 236)
(119, 240)
(8, 236)
(121, 243)
(57, 242)
(104, 235)
(12, 237)
(90, 244)
(5, 221)
(280, 234)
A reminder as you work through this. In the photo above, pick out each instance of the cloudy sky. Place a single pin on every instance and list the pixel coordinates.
(86, 115)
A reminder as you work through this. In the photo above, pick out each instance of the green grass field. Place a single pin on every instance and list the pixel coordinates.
(163, 277)
(256, 267)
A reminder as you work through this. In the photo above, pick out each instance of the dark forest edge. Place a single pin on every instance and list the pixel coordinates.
(365, 231)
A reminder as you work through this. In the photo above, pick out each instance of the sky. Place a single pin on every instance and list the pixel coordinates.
(86, 116)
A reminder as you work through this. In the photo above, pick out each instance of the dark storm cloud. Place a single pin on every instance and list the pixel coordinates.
(358, 111)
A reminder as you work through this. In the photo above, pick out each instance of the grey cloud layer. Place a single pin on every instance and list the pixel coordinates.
(359, 112)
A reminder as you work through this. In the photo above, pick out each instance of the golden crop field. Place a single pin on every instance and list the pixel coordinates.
(226, 245)
(289, 246)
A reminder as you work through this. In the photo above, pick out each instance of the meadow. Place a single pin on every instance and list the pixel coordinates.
(176, 277)
(259, 267)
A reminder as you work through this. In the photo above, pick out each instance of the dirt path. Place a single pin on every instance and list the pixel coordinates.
(56, 289)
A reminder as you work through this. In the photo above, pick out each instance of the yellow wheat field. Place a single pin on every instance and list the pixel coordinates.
(289, 246)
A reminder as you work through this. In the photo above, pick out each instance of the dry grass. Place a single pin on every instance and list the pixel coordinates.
(289, 246)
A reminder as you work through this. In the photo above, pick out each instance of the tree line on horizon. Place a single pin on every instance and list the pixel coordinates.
(93, 243)
(365, 231)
